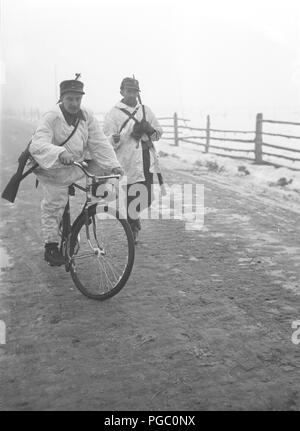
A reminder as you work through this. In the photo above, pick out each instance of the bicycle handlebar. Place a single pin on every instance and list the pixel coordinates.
(81, 165)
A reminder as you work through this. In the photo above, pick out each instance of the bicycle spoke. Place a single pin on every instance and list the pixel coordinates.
(102, 278)
(102, 272)
(84, 256)
(112, 270)
(108, 279)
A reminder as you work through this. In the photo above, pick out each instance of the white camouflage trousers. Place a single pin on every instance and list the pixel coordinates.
(52, 209)
(55, 184)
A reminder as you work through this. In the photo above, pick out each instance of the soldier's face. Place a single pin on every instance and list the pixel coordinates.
(72, 102)
(130, 95)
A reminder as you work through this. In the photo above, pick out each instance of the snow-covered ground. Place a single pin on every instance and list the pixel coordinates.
(280, 184)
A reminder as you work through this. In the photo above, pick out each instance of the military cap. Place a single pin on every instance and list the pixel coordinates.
(71, 85)
(130, 83)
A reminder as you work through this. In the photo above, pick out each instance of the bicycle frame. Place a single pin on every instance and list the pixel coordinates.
(91, 181)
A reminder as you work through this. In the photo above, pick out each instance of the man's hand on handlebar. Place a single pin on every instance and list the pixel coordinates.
(118, 171)
(66, 158)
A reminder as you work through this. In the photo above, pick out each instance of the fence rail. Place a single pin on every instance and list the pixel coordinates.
(281, 148)
(231, 149)
(258, 145)
(281, 122)
(281, 136)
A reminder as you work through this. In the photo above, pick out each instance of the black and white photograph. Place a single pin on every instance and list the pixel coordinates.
(150, 208)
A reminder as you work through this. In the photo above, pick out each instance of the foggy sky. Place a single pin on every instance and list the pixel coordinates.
(185, 53)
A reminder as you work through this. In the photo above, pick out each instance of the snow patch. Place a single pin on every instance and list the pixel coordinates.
(277, 183)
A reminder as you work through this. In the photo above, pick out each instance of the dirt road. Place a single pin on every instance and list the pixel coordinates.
(203, 323)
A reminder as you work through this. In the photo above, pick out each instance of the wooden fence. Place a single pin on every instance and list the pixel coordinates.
(254, 148)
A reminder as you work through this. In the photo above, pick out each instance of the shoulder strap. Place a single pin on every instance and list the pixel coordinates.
(131, 116)
(144, 112)
(60, 145)
(71, 134)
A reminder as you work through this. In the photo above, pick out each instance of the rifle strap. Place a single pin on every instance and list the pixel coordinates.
(60, 145)
(71, 134)
(131, 116)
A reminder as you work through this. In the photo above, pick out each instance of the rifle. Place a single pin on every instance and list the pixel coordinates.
(159, 175)
(11, 190)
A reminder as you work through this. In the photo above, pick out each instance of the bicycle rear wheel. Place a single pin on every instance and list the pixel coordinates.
(101, 264)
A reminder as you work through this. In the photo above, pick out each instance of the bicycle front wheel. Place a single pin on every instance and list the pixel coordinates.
(102, 254)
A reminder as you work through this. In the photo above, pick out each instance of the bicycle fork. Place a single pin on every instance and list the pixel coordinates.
(98, 251)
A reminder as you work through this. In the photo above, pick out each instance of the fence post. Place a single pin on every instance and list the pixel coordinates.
(207, 133)
(176, 140)
(259, 139)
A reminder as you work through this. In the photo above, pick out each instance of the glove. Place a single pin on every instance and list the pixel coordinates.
(137, 131)
(147, 128)
(116, 138)
(118, 171)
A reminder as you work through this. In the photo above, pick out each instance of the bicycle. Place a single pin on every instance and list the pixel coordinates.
(99, 246)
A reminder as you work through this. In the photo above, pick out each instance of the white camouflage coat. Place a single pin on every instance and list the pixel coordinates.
(128, 152)
(87, 142)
